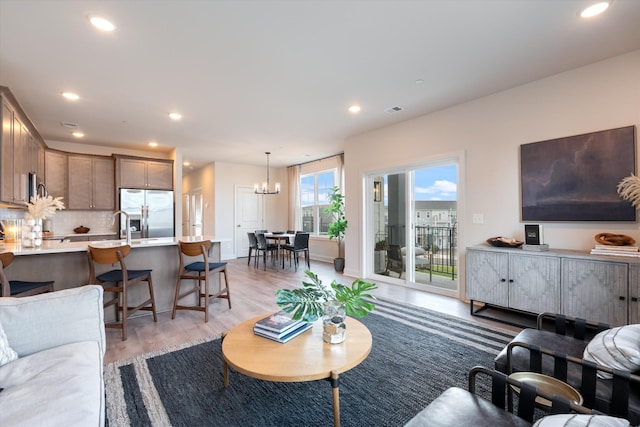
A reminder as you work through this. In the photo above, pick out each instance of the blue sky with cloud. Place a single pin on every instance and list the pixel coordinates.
(438, 183)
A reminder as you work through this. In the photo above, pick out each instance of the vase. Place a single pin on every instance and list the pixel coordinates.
(32, 233)
(333, 322)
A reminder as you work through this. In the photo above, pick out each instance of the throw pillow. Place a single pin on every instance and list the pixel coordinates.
(7, 354)
(617, 348)
(580, 420)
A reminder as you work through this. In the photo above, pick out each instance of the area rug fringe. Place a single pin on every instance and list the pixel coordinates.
(116, 405)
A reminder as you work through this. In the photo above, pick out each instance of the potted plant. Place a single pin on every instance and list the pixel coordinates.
(338, 227)
(332, 303)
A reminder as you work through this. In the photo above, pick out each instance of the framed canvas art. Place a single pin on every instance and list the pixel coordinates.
(575, 178)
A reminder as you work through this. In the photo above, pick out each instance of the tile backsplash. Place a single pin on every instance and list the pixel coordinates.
(63, 222)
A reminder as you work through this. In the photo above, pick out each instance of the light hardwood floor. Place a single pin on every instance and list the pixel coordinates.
(252, 293)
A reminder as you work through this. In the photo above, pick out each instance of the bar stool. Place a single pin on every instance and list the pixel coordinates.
(118, 282)
(199, 271)
(19, 288)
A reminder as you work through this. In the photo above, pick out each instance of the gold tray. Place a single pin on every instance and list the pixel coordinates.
(548, 384)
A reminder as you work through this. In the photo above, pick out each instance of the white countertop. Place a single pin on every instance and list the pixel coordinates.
(56, 246)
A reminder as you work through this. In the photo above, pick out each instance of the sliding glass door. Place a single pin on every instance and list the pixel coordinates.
(414, 226)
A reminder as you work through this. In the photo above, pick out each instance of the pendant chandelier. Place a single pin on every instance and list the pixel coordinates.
(265, 185)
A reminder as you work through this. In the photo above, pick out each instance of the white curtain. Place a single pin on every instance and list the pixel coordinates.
(295, 219)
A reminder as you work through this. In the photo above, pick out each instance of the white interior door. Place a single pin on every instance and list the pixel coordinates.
(249, 217)
(195, 217)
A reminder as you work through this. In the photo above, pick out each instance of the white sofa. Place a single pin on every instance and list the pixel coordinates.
(60, 341)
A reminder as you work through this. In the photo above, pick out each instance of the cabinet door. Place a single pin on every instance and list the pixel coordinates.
(487, 277)
(20, 184)
(104, 187)
(534, 283)
(634, 294)
(160, 175)
(133, 173)
(55, 174)
(80, 178)
(595, 290)
(6, 188)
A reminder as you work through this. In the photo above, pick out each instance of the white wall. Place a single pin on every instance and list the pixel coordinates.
(219, 181)
(489, 131)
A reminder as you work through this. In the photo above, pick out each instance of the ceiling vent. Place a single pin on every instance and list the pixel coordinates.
(72, 126)
(393, 109)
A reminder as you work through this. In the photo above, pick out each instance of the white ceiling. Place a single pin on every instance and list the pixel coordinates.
(256, 76)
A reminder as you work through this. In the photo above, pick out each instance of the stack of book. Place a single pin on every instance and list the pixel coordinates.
(280, 327)
(628, 251)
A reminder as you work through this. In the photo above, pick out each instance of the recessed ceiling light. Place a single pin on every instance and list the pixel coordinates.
(78, 134)
(594, 9)
(71, 96)
(175, 116)
(354, 109)
(153, 144)
(101, 23)
(186, 164)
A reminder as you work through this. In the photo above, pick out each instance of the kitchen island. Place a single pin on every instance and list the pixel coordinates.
(67, 263)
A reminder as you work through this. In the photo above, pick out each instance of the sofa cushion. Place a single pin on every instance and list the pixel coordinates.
(7, 354)
(61, 386)
(617, 348)
(580, 420)
(458, 407)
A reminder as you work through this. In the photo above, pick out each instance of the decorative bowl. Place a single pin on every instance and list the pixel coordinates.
(81, 230)
(503, 242)
(612, 239)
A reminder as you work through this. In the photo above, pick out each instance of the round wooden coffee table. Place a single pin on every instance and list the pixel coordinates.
(304, 358)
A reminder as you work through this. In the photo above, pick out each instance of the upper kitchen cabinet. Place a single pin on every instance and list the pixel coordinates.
(91, 182)
(21, 151)
(135, 172)
(55, 174)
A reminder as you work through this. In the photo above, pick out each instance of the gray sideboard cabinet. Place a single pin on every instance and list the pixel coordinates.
(574, 283)
(513, 279)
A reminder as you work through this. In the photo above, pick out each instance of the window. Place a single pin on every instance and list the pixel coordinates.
(314, 197)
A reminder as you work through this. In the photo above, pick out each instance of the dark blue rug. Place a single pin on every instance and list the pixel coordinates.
(416, 355)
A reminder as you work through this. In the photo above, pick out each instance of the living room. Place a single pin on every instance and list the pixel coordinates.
(482, 135)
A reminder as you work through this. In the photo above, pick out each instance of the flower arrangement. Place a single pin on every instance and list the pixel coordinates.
(44, 207)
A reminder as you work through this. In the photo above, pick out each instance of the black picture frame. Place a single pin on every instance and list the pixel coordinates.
(533, 234)
(575, 178)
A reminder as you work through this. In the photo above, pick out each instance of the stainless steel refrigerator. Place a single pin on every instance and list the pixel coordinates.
(150, 212)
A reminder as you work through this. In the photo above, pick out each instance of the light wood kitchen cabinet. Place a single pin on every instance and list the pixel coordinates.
(516, 280)
(91, 182)
(55, 174)
(19, 150)
(595, 290)
(145, 173)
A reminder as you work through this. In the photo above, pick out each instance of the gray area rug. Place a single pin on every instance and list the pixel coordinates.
(416, 355)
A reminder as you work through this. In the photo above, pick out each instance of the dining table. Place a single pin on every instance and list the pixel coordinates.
(280, 239)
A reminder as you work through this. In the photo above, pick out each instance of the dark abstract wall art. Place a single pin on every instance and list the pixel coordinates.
(575, 178)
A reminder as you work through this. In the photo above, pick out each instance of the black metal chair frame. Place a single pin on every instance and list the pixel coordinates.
(300, 244)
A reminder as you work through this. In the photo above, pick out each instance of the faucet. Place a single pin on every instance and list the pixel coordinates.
(44, 190)
(127, 221)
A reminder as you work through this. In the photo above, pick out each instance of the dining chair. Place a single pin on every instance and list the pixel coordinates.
(300, 244)
(118, 282)
(253, 245)
(200, 272)
(264, 248)
(19, 288)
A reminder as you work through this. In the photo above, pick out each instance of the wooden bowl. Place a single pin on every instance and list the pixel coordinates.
(501, 242)
(81, 230)
(612, 239)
